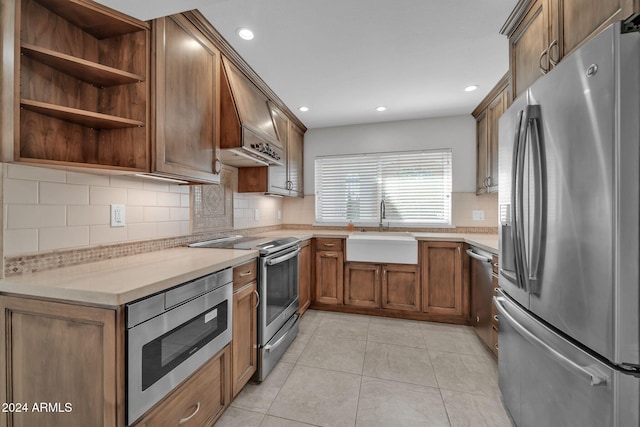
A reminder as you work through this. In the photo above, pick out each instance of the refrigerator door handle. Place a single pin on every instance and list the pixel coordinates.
(594, 376)
(518, 200)
(516, 278)
(539, 208)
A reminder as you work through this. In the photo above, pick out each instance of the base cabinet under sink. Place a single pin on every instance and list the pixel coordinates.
(388, 286)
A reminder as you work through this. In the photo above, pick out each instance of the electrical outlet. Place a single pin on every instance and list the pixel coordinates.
(117, 215)
(279, 214)
(256, 214)
(478, 215)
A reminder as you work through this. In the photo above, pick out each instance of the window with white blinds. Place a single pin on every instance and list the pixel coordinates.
(415, 186)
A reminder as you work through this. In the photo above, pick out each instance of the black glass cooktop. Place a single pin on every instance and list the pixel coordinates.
(265, 245)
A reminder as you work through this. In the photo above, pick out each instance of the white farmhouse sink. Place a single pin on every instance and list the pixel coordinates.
(382, 247)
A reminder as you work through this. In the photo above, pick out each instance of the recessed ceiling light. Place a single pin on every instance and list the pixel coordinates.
(245, 33)
(471, 88)
(381, 108)
(303, 109)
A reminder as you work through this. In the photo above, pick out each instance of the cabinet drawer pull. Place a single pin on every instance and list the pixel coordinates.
(543, 69)
(497, 346)
(495, 317)
(555, 61)
(257, 297)
(184, 420)
(329, 255)
(218, 167)
(496, 265)
(246, 273)
(329, 245)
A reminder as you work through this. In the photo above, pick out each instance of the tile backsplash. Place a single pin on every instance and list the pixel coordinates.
(50, 209)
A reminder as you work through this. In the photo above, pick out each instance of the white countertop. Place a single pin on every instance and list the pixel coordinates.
(121, 280)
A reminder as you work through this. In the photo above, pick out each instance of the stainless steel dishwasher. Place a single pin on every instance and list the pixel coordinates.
(481, 293)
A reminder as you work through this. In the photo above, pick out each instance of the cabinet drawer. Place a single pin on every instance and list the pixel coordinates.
(329, 245)
(199, 400)
(244, 273)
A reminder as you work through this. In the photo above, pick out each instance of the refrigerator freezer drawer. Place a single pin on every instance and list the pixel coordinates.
(546, 380)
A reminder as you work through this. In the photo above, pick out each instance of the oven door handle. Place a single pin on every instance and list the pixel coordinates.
(270, 347)
(283, 258)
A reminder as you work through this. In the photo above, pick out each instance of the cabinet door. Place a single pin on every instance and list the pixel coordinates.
(494, 112)
(186, 103)
(481, 153)
(401, 287)
(278, 178)
(295, 160)
(528, 42)
(442, 284)
(362, 285)
(245, 336)
(578, 20)
(304, 280)
(53, 352)
(329, 275)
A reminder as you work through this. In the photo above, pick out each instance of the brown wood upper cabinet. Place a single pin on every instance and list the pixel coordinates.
(82, 95)
(443, 288)
(187, 109)
(487, 114)
(542, 32)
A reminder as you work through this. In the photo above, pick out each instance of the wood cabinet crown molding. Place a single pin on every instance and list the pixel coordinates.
(515, 18)
(199, 20)
(502, 84)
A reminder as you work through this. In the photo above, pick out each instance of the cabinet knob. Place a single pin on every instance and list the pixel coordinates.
(218, 167)
(495, 317)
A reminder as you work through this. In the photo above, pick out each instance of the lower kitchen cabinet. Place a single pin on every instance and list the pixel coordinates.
(401, 287)
(329, 271)
(362, 284)
(245, 325)
(304, 276)
(443, 290)
(199, 400)
(63, 354)
(387, 286)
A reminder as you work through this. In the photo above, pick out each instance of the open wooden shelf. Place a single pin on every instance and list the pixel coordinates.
(93, 18)
(87, 71)
(80, 117)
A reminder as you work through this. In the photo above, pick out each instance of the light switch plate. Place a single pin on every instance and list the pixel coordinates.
(478, 215)
(279, 214)
(117, 215)
(256, 215)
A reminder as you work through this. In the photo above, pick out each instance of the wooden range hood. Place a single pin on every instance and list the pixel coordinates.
(248, 134)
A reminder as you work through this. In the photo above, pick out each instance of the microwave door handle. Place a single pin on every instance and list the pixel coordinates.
(595, 377)
(283, 258)
(514, 204)
(539, 208)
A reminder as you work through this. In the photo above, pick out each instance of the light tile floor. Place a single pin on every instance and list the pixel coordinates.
(352, 370)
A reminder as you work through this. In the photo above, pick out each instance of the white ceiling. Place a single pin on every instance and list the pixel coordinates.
(343, 58)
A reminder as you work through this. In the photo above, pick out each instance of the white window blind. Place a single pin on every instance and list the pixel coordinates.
(416, 187)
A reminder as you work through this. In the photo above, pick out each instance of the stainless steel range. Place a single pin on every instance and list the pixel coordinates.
(278, 290)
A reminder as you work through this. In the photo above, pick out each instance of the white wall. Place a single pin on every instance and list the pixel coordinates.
(456, 132)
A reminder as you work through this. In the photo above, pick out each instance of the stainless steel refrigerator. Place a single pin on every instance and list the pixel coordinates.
(569, 186)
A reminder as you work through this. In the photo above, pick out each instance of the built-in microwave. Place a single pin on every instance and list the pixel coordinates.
(171, 334)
